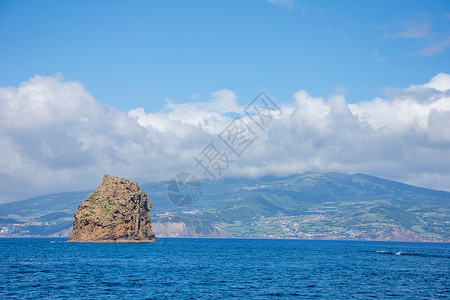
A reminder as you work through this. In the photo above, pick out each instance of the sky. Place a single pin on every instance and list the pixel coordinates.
(140, 89)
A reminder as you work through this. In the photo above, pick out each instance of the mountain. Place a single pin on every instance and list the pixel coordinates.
(308, 206)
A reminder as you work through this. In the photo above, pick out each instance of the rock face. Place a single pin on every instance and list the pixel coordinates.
(117, 212)
(180, 229)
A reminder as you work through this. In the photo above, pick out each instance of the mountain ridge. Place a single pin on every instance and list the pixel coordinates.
(311, 205)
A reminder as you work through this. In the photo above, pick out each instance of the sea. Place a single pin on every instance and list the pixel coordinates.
(175, 268)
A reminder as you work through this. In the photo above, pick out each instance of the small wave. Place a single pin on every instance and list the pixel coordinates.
(400, 253)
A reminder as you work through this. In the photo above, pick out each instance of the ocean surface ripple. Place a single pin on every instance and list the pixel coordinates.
(223, 268)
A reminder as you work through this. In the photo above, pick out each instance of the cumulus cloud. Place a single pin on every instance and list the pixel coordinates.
(54, 136)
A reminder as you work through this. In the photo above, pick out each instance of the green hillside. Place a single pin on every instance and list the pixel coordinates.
(310, 206)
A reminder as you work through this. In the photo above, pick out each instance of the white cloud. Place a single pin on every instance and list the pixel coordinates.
(440, 82)
(54, 136)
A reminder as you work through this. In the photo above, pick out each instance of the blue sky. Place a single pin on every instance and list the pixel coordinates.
(138, 89)
(138, 53)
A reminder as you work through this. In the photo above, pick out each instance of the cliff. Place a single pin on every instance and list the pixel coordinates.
(117, 212)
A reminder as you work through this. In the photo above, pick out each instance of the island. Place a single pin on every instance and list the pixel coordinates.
(117, 212)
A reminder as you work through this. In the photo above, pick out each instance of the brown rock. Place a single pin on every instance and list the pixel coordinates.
(117, 212)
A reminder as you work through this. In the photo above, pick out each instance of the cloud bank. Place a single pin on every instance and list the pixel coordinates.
(54, 136)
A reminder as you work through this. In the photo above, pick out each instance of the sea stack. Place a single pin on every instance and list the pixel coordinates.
(117, 212)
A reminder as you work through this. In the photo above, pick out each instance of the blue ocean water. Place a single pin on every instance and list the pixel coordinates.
(223, 268)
